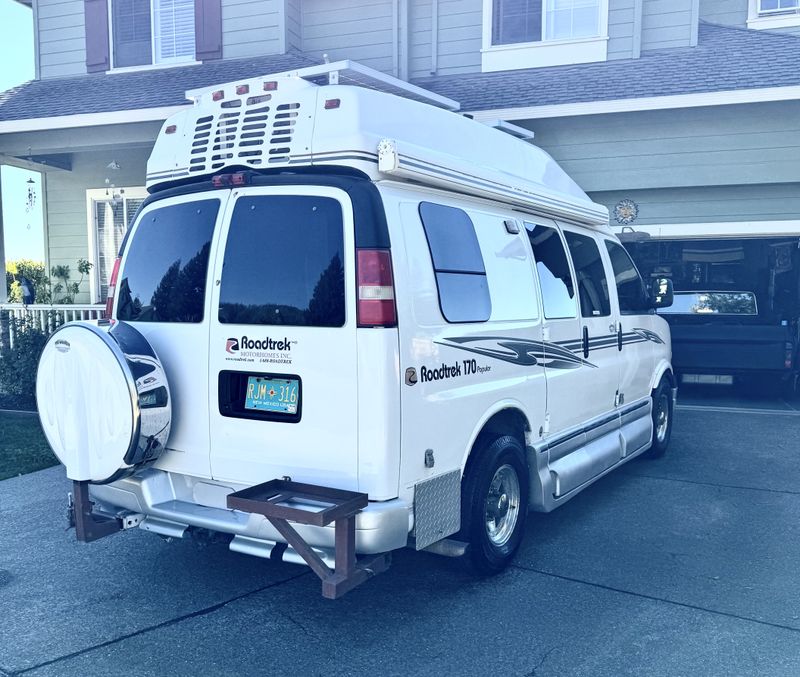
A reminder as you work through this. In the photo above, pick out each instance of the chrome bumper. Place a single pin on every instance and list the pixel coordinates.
(172, 503)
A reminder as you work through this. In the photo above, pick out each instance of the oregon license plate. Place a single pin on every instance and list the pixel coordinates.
(280, 396)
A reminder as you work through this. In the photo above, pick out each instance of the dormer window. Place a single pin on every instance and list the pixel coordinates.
(770, 14)
(149, 32)
(535, 33)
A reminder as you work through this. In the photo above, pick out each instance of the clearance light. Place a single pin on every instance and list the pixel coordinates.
(332, 103)
(171, 129)
(270, 86)
(219, 94)
(112, 289)
(242, 89)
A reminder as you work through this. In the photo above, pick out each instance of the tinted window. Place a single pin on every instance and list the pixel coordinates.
(555, 279)
(591, 274)
(164, 279)
(284, 262)
(457, 262)
(633, 297)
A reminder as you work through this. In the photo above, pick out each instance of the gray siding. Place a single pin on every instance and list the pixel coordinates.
(667, 23)
(362, 30)
(252, 28)
(708, 204)
(294, 25)
(721, 145)
(448, 43)
(725, 12)
(621, 29)
(62, 44)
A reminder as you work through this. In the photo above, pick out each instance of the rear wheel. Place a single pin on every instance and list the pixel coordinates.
(494, 503)
(662, 420)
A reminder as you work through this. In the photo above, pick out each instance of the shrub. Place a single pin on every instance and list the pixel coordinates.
(35, 272)
(18, 364)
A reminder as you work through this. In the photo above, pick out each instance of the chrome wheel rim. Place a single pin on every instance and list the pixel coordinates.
(502, 505)
(662, 418)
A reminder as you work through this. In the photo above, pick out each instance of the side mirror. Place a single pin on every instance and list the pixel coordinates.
(662, 294)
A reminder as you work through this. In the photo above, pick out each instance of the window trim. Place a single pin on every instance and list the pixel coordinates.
(771, 19)
(102, 195)
(167, 63)
(543, 53)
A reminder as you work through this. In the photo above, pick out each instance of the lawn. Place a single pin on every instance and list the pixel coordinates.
(23, 447)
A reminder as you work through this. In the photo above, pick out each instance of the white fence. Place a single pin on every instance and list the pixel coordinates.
(47, 317)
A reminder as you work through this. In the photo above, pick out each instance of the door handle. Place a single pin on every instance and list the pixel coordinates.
(586, 341)
(619, 336)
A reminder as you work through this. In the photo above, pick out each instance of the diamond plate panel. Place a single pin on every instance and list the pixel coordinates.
(437, 508)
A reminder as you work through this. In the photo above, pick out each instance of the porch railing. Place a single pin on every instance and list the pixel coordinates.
(45, 316)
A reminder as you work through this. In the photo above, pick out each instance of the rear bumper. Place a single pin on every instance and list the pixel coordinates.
(172, 503)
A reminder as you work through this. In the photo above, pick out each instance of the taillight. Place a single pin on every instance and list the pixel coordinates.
(788, 355)
(112, 288)
(376, 306)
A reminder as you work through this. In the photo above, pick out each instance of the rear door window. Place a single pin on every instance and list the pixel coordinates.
(284, 262)
(633, 297)
(457, 263)
(552, 267)
(591, 274)
(164, 278)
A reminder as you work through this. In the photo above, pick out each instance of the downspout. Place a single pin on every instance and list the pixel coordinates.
(695, 23)
(434, 36)
(404, 38)
(396, 38)
(3, 290)
(36, 67)
(637, 29)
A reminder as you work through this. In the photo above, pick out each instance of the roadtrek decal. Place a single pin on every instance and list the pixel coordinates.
(262, 350)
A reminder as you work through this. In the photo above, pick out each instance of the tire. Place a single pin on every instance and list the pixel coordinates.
(496, 480)
(662, 420)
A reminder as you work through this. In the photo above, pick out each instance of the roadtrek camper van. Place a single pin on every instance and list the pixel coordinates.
(348, 320)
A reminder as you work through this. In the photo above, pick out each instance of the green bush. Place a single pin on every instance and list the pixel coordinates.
(18, 364)
(35, 272)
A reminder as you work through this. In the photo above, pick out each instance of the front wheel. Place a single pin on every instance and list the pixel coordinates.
(494, 503)
(662, 420)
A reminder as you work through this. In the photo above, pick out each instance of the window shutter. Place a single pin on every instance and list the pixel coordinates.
(208, 29)
(96, 16)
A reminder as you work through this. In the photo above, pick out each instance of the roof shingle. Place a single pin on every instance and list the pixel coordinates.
(725, 59)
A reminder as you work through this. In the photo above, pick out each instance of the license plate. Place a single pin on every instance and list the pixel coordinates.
(280, 396)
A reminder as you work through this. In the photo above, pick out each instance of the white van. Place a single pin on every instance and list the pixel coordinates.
(380, 324)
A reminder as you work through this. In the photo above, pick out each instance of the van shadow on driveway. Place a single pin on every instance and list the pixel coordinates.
(686, 565)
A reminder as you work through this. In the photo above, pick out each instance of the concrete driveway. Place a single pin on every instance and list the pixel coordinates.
(682, 566)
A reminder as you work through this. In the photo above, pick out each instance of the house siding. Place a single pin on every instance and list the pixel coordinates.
(252, 28)
(456, 46)
(710, 204)
(668, 23)
(62, 42)
(67, 218)
(725, 12)
(294, 25)
(621, 29)
(721, 145)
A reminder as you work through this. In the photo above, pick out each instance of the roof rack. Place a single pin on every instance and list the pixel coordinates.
(348, 72)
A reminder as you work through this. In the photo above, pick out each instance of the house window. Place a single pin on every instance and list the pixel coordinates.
(771, 6)
(110, 215)
(146, 32)
(771, 14)
(539, 33)
(516, 21)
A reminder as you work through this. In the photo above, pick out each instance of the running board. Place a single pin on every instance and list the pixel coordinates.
(284, 501)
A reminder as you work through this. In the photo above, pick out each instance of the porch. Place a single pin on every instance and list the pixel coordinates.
(46, 317)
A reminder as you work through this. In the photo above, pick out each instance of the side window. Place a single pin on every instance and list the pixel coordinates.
(164, 278)
(632, 293)
(457, 263)
(552, 267)
(284, 262)
(591, 274)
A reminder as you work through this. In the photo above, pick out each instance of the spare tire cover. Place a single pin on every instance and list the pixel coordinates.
(103, 400)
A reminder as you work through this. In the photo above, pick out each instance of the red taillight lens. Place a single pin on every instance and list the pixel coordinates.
(331, 104)
(242, 89)
(788, 356)
(376, 306)
(112, 289)
(219, 94)
(270, 86)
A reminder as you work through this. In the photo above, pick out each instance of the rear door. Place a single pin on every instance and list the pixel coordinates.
(283, 381)
(161, 290)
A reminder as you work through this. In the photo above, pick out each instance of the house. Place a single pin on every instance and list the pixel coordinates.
(670, 111)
